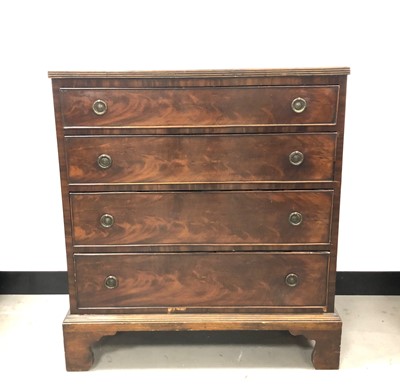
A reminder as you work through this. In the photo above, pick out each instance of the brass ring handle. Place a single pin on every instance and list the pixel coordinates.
(295, 218)
(111, 282)
(296, 158)
(107, 220)
(292, 280)
(99, 107)
(104, 161)
(299, 105)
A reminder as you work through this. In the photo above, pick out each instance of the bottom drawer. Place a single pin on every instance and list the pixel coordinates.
(220, 282)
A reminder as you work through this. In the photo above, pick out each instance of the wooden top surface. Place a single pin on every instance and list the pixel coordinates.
(203, 73)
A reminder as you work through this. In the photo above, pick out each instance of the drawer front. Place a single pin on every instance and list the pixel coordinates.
(218, 106)
(201, 159)
(191, 218)
(207, 280)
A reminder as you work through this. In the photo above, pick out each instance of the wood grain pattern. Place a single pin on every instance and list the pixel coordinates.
(202, 217)
(200, 159)
(201, 279)
(219, 106)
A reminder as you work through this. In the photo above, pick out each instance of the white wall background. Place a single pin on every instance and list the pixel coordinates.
(37, 36)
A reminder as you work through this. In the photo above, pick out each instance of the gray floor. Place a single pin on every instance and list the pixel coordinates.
(31, 346)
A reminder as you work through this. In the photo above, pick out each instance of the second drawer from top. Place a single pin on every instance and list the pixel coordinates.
(201, 159)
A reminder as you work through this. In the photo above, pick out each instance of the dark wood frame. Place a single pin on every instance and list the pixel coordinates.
(81, 331)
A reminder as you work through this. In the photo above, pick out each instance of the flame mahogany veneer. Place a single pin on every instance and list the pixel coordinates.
(201, 200)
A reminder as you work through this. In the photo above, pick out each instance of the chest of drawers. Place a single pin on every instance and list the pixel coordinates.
(201, 200)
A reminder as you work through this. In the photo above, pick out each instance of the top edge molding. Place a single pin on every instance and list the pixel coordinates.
(203, 73)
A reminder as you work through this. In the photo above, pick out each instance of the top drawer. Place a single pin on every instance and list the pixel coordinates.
(202, 106)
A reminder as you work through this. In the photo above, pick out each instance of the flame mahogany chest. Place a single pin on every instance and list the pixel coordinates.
(201, 200)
